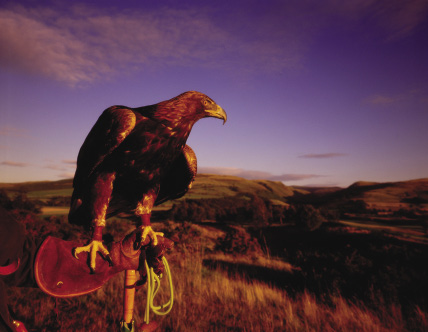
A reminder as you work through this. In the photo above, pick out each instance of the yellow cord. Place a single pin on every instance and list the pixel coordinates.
(153, 285)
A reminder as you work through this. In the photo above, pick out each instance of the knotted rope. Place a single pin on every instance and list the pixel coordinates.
(153, 286)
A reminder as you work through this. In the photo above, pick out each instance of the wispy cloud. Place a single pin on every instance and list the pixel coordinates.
(69, 162)
(399, 18)
(55, 167)
(396, 18)
(293, 177)
(65, 167)
(66, 175)
(389, 99)
(14, 163)
(12, 131)
(323, 155)
(380, 100)
(62, 165)
(83, 45)
(256, 175)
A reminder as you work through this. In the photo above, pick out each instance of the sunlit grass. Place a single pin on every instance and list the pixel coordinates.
(410, 232)
(54, 211)
(232, 303)
(213, 300)
(46, 194)
(216, 291)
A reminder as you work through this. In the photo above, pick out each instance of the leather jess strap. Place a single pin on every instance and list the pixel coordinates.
(9, 269)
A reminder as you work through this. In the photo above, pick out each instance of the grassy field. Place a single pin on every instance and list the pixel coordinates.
(406, 195)
(46, 194)
(333, 279)
(213, 300)
(406, 232)
(205, 186)
(357, 275)
(54, 211)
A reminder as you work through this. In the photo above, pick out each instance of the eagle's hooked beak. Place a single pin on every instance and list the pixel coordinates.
(218, 113)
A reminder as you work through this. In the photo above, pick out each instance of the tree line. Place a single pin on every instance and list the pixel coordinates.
(19, 202)
(249, 210)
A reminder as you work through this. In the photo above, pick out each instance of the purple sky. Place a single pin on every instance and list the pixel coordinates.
(317, 92)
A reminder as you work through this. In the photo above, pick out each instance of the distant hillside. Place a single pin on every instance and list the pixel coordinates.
(393, 195)
(37, 185)
(205, 186)
(385, 196)
(219, 186)
(389, 195)
(41, 190)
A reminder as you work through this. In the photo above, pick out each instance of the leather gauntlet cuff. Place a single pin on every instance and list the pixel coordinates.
(154, 254)
(59, 274)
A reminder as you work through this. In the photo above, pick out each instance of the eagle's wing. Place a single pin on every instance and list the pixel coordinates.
(180, 177)
(111, 128)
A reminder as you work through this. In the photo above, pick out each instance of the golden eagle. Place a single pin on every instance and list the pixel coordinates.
(133, 159)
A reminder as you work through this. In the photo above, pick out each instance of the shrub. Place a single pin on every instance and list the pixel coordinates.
(353, 206)
(59, 201)
(231, 209)
(186, 236)
(308, 217)
(238, 241)
(20, 202)
(222, 209)
(259, 211)
(5, 201)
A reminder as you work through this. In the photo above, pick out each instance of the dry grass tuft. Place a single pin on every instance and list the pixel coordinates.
(215, 291)
(211, 300)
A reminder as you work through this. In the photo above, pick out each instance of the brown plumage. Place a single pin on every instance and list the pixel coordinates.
(134, 158)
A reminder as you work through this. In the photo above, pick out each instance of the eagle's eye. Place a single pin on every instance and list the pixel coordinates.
(208, 102)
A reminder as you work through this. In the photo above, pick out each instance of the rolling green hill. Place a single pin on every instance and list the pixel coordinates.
(389, 195)
(220, 186)
(205, 186)
(42, 190)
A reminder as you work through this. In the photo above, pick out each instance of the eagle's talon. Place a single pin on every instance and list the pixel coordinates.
(78, 250)
(153, 236)
(109, 260)
(74, 253)
(92, 249)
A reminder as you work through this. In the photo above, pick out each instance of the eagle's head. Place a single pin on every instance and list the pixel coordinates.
(187, 108)
(207, 107)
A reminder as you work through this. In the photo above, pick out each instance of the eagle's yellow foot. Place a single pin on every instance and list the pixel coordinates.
(92, 248)
(147, 231)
